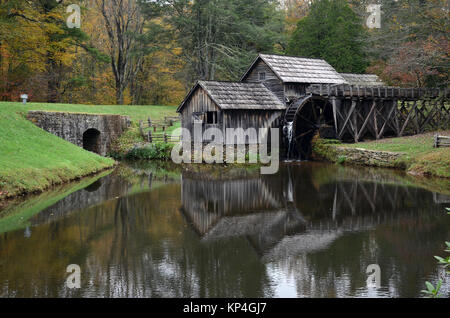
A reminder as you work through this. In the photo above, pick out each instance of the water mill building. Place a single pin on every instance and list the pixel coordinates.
(304, 96)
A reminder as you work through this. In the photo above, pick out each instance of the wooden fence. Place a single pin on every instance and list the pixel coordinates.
(164, 137)
(157, 130)
(441, 141)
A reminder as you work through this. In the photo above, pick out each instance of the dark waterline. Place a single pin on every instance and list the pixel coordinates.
(150, 231)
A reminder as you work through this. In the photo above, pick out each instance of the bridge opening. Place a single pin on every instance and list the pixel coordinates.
(91, 140)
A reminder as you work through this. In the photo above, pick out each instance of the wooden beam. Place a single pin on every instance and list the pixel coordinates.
(386, 122)
(355, 120)
(375, 123)
(334, 104)
(408, 118)
(349, 115)
(396, 119)
(372, 109)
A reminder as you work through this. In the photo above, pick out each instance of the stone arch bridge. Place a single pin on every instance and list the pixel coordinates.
(92, 132)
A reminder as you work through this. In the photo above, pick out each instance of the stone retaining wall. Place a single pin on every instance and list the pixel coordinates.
(367, 157)
(72, 127)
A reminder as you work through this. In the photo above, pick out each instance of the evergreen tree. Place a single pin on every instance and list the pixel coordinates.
(220, 38)
(333, 32)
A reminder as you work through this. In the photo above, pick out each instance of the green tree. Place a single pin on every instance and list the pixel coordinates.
(334, 32)
(220, 38)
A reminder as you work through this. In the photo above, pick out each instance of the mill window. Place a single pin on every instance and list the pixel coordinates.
(262, 76)
(211, 118)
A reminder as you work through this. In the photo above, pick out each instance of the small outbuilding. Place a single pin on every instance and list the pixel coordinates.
(225, 105)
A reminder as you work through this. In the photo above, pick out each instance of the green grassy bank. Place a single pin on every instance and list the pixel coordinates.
(418, 155)
(135, 113)
(32, 160)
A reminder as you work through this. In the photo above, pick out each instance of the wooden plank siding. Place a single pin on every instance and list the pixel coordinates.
(294, 90)
(199, 102)
(246, 119)
(271, 81)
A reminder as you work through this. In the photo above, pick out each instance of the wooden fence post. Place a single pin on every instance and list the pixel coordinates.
(150, 138)
(141, 129)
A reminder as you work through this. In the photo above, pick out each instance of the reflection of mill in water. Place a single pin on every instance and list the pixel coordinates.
(219, 209)
(287, 214)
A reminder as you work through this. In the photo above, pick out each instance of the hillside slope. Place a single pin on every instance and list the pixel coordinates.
(31, 160)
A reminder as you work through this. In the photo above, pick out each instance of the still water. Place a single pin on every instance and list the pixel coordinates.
(147, 230)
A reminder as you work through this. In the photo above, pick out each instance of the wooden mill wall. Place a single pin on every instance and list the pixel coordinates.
(294, 90)
(246, 119)
(199, 102)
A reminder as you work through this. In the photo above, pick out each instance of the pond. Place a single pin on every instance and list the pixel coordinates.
(152, 230)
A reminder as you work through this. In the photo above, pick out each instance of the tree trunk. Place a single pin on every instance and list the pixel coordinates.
(123, 22)
(119, 94)
(52, 83)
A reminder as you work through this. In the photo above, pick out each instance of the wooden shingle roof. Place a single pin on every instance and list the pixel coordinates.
(363, 79)
(292, 69)
(228, 95)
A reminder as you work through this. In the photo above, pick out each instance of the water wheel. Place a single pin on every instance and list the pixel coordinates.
(304, 119)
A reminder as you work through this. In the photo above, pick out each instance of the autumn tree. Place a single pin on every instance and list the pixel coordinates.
(124, 24)
(42, 47)
(295, 10)
(412, 46)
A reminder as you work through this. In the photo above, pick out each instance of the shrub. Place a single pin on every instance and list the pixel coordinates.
(157, 151)
(341, 160)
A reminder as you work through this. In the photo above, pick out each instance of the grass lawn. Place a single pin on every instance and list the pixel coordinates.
(420, 155)
(31, 160)
(136, 113)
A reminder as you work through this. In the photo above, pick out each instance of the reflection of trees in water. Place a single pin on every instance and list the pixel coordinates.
(395, 226)
(136, 246)
(137, 259)
(149, 253)
(234, 237)
(123, 181)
